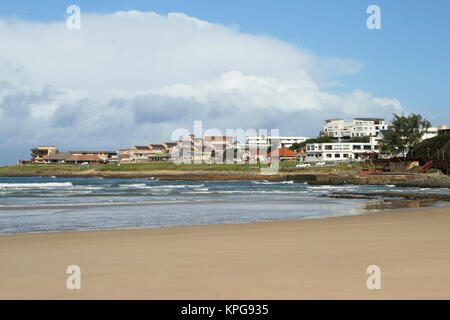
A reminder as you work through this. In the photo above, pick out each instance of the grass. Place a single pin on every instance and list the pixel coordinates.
(43, 168)
(329, 168)
(153, 166)
(181, 167)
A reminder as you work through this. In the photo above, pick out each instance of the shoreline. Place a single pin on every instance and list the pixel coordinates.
(295, 259)
(371, 208)
(311, 177)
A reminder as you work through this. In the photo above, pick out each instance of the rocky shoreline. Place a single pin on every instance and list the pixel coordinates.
(436, 180)
(390, 195)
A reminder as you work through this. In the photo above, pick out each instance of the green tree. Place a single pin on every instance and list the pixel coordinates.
(323, 139)
(405, 133)
(295, 146)
(364, 139)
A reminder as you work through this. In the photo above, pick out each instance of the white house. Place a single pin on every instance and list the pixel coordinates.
(430, 133)
(340, 150)
(278, 141)
(359, 127)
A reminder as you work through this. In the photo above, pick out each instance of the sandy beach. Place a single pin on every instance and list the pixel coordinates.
(304, 259)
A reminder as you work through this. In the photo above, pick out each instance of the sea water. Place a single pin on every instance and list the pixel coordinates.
(50, 204)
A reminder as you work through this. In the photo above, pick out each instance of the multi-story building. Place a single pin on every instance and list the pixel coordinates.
(278, 141)
(157, 148)
(38, 154)
(137, 153)
(218, 144)
(359, 127)
(341, 150)
(430, 133)
(59, 157)
(444, 129)
(169, 146)
(104, 155)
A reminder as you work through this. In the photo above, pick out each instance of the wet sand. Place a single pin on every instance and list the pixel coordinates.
(304, 259)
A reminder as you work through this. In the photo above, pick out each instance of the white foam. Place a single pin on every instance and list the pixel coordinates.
(44, 185)
(168, 186)
(89, 187)
(272, 182)
(134, 185)
(261, 191)
(332, 187)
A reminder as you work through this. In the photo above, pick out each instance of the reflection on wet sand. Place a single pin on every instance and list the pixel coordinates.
(397, 204)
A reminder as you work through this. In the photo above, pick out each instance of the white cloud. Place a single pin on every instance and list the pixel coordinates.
(132, 77)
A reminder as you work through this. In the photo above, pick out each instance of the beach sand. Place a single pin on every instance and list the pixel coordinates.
(306, 259)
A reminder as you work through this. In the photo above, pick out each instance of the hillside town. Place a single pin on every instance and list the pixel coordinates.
(338, 141)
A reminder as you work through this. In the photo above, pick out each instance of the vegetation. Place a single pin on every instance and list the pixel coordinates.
(364, 139)
(44, 168)
(328, 168)
(434, 148)
(295, 146)
(179, 167)
(406, 133)
(324, 139)
(284, 166)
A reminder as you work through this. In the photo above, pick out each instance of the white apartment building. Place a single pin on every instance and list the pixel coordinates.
(329, 152)
(280, 142)
(359, 127)
(430, 133)
(444, 129)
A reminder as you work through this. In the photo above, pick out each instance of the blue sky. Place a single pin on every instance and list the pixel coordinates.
(407, 61)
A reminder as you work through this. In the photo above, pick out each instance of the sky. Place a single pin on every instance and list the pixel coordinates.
(136, 71)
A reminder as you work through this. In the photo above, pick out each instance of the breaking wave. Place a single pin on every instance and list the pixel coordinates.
(43, 185)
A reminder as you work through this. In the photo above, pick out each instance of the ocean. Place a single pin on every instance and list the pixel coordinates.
(51, 204)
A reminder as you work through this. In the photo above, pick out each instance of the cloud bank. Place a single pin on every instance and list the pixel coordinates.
(134, 77)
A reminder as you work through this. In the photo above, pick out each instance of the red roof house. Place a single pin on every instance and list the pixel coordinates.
(282, 153)
(84, 158)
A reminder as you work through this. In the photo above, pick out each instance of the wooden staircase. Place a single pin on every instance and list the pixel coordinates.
(426, 166)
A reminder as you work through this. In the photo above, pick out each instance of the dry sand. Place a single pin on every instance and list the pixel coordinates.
(306, 259)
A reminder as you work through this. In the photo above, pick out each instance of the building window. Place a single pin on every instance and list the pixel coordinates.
(356, 147)
(337, 155)
(329, 147)
(328, 155)
(345, 155)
